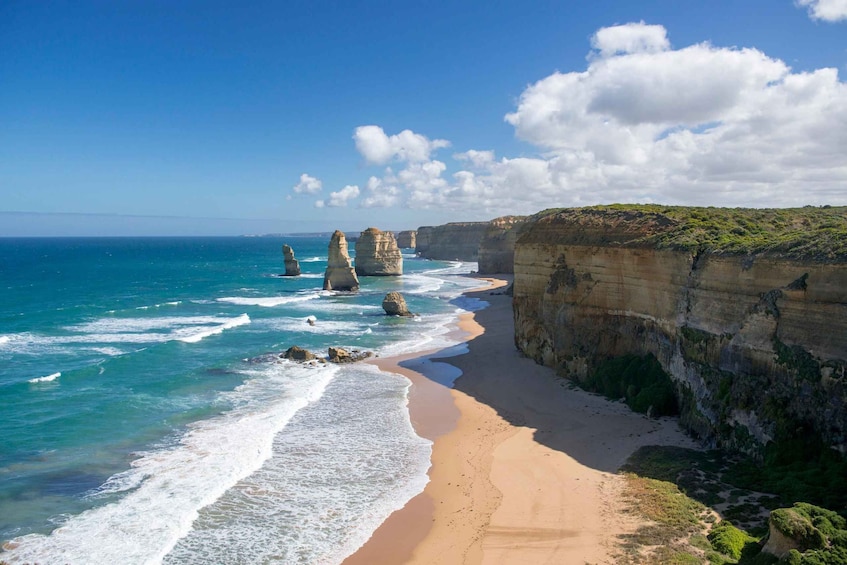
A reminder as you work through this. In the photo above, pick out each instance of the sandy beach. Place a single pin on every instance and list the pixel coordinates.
(523, 465)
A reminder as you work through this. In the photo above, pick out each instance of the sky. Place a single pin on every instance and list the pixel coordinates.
(211, 117)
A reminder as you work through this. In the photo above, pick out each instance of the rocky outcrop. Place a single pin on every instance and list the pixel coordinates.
(750, 324)
(292, 265)
(395, 305)
(457, 241)
(407, 239)
(341, 356)
(296, 353)
(377, 254)
(497, 247)
(339, 274)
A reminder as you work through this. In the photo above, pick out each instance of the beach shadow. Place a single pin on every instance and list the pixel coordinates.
(589, 428)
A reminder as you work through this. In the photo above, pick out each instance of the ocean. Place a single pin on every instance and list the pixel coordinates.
(145, 415)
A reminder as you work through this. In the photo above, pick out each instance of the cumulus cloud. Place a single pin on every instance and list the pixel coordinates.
(340, 198)
(378, 148)
(827, 10)
(630, 38)
(381, 193)
(642, 122)
(308, 185)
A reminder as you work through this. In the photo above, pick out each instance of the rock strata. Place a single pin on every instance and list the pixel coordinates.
(377, 254)
(292, 265)
(407, 239)
(751, 337)
(339, 274)
(497, 247)
(340, 356)
(395, 305)
(458, 241)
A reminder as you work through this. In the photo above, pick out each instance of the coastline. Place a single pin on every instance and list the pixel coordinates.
(524, 467)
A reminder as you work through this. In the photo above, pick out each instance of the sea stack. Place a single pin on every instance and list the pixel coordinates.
(339, 271)
(377, 254)
(292, 265)
(395, 305)
(407, 239)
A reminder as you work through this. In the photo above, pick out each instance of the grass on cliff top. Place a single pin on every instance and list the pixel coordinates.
(816, 233)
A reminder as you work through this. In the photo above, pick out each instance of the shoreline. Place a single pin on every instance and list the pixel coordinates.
(524, 467)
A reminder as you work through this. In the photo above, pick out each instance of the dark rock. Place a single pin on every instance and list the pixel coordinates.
(339, 355)
(298, 354)
(395, 305)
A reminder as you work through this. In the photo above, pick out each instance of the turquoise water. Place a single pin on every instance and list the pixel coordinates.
(143, 417)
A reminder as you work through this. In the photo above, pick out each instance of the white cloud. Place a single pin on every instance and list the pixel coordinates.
(407, 146)
(380, 194)
(642, 122)
(827, 10)
(630, 38)
(308, 185)
(340, 198)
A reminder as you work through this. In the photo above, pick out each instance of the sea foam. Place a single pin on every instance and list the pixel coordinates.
(166, 488)
(46, 379)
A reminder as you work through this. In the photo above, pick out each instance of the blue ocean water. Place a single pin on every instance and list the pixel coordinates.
(143, 421)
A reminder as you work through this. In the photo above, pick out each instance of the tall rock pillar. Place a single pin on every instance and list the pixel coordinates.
(339, 271)
(292, 265)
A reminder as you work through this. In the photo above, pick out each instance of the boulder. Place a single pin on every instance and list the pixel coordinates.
(339, 273)
(377, 254)
(407, 239)
(339, 355)
(296, 353)
(395, 305)
(292, 265)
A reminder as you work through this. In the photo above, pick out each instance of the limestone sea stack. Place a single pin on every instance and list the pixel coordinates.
(292, 265)
(339, 271)
(395, 305)
(407, 239)
(377, 254)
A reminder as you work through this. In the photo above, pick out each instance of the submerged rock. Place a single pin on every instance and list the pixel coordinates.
(339, 273)
(296, 353)
(395, 305)
(377, 254)
(339, 355)
(292, 265)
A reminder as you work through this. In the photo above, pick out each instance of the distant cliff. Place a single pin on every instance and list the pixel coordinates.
(497, 247)
(457, 241)
(407, 239)
(745, 310)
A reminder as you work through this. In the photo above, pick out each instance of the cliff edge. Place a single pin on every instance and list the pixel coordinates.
(745, 310)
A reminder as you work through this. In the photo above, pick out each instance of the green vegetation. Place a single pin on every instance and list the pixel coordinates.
(728, 540)
(710, 479)
(641, 381)
(813, 233)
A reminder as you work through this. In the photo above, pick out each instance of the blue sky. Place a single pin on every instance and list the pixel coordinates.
(122, 118)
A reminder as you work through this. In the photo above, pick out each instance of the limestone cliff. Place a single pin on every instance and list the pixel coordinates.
(458, 241)
(339, 274)
(377, 254)
(407, 239)
(497, 248)
(745, 310)
(292, 265)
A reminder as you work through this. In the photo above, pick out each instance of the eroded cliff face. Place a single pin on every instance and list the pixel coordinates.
(407, 239)
(497, 247)
(755, 344)
(377, 254)
(458, 241)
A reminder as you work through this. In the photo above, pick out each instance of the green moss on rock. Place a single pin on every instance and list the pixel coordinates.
(641, 381)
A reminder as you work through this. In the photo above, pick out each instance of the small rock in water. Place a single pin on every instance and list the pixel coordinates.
(339, 355)
(395, 305)
(296, 353)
